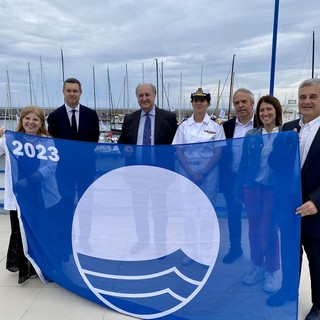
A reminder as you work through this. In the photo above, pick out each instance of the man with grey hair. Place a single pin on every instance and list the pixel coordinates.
(148, 126)
(243, 101)
(163, 122)
(308, 127)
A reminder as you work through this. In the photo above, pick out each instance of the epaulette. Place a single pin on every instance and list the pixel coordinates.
(217, 120)
(184, 119)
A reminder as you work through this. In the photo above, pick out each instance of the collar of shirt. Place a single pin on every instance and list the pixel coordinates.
(69, 109)
(315, 123)
(191, 121)
(240, 129)
(274, 130)
(152, 112)
(250, 122)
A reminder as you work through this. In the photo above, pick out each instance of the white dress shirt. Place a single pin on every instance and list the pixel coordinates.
(240, 131)
(77, 113)
(307, 133)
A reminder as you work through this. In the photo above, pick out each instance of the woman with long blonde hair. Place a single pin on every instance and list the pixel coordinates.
(32, 121)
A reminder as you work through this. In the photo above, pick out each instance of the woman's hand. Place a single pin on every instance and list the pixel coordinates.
(2, 130)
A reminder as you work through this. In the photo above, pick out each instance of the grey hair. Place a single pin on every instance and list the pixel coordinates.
(244, 90)
(153, 87)
(309, 83)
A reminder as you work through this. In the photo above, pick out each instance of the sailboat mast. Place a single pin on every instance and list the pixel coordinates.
(110, 100)
(231, 88)
(157, 75)
(41, 76)
(180, 100)
(162, 85)
(9, 91)
(218, 99)
(62, 66)
(313, 46)
(127, 90)
(142, 72)
(94, 89)
(9, 101)
(30, 83)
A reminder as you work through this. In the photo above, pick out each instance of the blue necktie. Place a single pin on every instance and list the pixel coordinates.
(147, 131)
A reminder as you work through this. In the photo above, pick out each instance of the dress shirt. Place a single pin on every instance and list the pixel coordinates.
(77, 113)
(240, 131)
(152, 114)
(266, 175)
(190, 131)
(307, 133)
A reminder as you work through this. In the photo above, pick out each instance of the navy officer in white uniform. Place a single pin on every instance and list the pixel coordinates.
(199, 163)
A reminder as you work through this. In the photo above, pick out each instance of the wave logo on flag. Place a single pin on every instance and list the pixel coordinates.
(150, 247)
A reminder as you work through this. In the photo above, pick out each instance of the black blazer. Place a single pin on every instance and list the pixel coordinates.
(310, 181)
(88, 128)
(165, 127)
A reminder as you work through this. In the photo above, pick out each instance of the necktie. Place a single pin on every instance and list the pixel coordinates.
(74, 122)
(147, 131)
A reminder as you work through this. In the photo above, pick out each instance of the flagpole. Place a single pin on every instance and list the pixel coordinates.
(274, 45)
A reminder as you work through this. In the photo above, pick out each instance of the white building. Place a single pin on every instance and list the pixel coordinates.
(290, 110)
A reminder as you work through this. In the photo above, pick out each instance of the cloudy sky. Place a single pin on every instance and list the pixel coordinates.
(192, 42)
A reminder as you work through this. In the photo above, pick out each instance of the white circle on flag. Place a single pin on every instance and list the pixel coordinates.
(142, 213)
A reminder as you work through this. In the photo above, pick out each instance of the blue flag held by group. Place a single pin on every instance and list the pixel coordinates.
(143, 229)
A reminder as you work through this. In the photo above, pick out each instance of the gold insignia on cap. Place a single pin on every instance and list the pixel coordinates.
(199, 93)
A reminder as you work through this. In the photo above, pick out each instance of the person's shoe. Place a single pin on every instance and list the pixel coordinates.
(255, 275)
(280, 297)
(271, 282)
(232, 255)
(314, 314)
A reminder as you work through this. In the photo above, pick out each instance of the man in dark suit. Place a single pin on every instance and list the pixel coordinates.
(163, 126)
(163, 123)
(309, 132)
(74, 121)
(60, 120)
(243, 101)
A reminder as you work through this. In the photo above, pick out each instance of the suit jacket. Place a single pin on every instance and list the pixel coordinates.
(229, 127)
(310, 181)
(165, 127)
(88, 128)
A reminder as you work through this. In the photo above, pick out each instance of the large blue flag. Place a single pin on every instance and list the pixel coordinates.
(143, 230)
